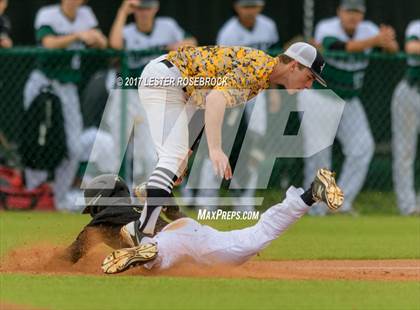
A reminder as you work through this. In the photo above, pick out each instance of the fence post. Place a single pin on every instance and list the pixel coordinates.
(123, 128)
(308, 19)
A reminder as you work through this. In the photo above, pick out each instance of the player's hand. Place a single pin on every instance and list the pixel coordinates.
(128, 6)
(386, 36)
(5, 42)
(221, 165)
(88, 37)
(92, 37)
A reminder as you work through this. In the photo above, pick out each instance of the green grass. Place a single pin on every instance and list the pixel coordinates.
(83, 292)
(332, 237)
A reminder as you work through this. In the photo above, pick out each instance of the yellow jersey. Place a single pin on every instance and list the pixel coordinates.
(239, 72)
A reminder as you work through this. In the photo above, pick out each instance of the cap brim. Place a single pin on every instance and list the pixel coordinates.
(149, 5)
(251, 3)
(354, 8)
(86, 210)
(319, 79)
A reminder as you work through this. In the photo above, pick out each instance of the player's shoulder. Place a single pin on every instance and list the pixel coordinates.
(229, 25)
(265, 20)
(130, 28)
(48, 11)
(413, 28)
(86, 11)
(331, 23)
(369, 26)
(166, 21)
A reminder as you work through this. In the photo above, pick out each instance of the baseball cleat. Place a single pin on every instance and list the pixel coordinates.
(128, 238)
(324, 188)
(123, 259)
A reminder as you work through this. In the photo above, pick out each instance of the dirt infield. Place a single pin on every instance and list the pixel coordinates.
(8, 306)
(47, 259)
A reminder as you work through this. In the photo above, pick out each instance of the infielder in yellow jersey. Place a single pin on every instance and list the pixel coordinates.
(175, 85)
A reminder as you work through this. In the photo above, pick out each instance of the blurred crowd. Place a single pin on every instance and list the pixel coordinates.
(72, 25)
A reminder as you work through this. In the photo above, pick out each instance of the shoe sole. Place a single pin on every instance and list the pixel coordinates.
(328, 180)
(121, 260)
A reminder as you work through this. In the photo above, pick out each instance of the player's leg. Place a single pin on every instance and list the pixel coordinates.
(32, 89)
(168, 116)
(405, 124)
(66, 171)
(358, 147)
(145, 156)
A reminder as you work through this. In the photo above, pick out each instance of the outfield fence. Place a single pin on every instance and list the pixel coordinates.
(93, 74)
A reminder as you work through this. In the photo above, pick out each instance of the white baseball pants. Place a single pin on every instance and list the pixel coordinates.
(187, 240)
(405, 112)
(66, 171)
(168, 115)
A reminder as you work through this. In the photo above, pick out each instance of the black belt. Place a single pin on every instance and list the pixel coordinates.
(171, 65)
(167, 63)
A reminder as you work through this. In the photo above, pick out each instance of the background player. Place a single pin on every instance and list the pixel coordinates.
(245, 73)
(186, 240)
(348, 32)
(5, 27)
(73, 26)
(154, 34)
(406, 125)
(252, 29)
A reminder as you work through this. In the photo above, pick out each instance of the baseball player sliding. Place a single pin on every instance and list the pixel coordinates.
(244, 73)
(187, 240)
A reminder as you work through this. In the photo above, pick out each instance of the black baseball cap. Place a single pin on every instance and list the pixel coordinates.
(308, 56)
(250, 2)
(353, 5)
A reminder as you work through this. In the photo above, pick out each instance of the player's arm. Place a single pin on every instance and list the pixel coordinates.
(213, 115)
(92, 38)
(6, 42)
(48, 38)
(412, 46)
(100, 41)
(385, 39)
(116, 36)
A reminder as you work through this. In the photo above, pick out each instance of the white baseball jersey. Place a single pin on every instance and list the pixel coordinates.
(166, 31)
(413, 33)
(344, 76)
(50, 20)
(262, 36)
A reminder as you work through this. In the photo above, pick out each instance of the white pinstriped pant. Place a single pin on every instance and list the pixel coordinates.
(405, 110)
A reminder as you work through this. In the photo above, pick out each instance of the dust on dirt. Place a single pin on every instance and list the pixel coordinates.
(48, 259)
